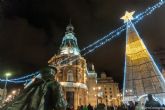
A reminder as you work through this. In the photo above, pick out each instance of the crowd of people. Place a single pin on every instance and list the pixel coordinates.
(45, 93)
(89, 107)
(150, 104)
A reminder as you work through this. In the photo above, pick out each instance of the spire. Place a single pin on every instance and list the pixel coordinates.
(93, 67)
(69, 43)
(69, 28)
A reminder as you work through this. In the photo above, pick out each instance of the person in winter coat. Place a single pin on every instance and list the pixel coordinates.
(85, 108)
(151, 103)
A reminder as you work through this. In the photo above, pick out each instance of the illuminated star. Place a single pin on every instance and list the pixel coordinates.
(128, 16)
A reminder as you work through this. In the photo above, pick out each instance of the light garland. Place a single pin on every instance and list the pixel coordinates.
(90, 48)
(25, 77)
(11, 81)
(148, 11)
(132, 48)
(117, 32)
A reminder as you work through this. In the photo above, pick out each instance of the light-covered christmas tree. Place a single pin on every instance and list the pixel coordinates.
(141, 75)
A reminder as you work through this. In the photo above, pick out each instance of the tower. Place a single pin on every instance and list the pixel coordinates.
(69, 42)
(141, 75)
(92, 83)
(71, 70)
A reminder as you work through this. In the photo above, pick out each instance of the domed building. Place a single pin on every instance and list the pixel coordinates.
(71, 70)
(80, 85)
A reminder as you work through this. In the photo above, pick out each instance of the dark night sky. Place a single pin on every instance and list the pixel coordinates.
(31, 31)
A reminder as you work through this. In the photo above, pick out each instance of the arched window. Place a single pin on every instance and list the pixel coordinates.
(70, 76)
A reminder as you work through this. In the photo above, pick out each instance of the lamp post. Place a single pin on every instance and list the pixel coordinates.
(5, 89)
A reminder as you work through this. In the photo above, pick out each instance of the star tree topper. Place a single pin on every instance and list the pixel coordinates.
(128, 16)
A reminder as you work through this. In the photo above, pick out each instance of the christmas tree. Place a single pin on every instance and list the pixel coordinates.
(141, 75)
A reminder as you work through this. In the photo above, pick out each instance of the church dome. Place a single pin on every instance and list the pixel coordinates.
(69, 43)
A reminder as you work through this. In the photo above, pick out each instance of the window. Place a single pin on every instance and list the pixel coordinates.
(79, 76)
(70, 76)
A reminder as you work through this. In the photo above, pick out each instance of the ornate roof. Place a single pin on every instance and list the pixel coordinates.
(69, 43)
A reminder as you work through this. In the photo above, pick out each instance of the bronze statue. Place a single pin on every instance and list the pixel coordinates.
(44, 93)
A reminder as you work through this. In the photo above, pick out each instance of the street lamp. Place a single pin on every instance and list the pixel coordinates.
(5, 89)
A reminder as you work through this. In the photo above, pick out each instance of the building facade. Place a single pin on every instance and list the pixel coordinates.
(108, 91)
(71, 70)
(79, 84)
(91, 83)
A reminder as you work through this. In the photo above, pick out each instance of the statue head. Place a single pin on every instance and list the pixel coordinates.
(48, 72)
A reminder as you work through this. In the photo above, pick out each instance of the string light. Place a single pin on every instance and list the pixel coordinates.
(121, 29)
(25, 77)
(18, 81)
(148, 11)
(116, 32)
(90, 48)
(21, 81)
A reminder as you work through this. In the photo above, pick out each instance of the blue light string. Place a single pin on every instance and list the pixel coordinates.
(148, 11)
(99, 42)
(118, 31)
(21, 81)
(106, 36)
(24, 77)
(104, 42)
(121, 29)
(11, 81)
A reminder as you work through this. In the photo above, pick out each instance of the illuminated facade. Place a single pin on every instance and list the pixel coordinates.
(102, 90)
(92, 83)
(108, 91)
(142, 75)
(80, 84)
(72, 74)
